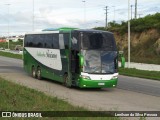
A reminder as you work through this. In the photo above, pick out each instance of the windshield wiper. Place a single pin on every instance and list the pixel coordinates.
(108, 72)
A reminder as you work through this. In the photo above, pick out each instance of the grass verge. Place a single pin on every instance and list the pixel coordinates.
(7, 54)
(19, 98)
(155, 75)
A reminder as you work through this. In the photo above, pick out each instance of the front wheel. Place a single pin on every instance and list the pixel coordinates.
(39, 73)
(66, 81)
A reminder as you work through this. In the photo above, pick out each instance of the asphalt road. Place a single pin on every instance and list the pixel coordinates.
(130, 94)
(145, 86)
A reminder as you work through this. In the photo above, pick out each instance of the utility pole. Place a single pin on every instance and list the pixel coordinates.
(131, 11)
(106, 16)
(129, 39)
(135, 9)
(114, 14)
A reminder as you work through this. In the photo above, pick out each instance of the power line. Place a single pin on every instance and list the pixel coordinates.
(140, 15)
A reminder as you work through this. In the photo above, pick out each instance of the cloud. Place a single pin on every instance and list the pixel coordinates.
(51, 13)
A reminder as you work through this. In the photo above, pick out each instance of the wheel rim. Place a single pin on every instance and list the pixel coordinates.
(39, 74)
(33, 72)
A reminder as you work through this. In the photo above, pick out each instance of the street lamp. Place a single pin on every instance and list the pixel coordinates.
(96, 24)
(33, 17)
(114, 14)
(129, 34)
(84, 10)
(8, 23)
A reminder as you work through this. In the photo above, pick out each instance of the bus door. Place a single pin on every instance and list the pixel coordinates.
(74, 53)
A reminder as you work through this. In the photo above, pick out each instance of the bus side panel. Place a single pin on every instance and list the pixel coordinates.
(46, 72)
(64, 59)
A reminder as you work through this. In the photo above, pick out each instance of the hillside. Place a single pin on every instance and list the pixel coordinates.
(145, 46)
(145, 38)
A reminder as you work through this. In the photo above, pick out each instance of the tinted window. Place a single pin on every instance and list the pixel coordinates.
(55, 41)
(42, 41)
(34, 41)
(28, 42)
(75, 40)
(38, 41)
(48, 40)
(66, 40)
(104, 41)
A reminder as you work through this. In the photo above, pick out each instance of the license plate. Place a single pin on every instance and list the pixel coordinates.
(100, 83)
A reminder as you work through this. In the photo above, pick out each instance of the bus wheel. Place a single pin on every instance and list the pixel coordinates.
(33, 72)
(65, 80)
(39, 73)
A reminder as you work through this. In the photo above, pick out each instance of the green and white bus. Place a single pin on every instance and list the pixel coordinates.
(74, 57)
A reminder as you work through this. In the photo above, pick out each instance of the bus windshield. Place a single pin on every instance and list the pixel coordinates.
(100, 41)
(96, 61)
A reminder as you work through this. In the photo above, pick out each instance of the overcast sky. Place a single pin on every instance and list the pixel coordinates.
(18, 14)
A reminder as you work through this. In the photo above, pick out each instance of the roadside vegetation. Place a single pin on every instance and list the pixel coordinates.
(7, 54)
(137, 25)
(12, 45)
(155, 75)
(145, 38)
(19, 98)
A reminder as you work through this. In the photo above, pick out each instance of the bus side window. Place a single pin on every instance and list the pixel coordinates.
(48, 41)
(66, 40)
(75, 41)
(41, 43)
(55, 41)
(61, 41)
(28, 41)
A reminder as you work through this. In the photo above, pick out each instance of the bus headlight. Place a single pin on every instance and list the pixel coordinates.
(114, 77)
(85, 77)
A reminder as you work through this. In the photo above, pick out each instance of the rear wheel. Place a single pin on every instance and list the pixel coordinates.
(39, 73)
(33, 72)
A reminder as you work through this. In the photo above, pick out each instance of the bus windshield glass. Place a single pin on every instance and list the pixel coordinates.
(102, 62)
(100, 41)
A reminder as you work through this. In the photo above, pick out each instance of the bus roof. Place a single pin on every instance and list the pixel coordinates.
(42, 32)
(92, 31)
(67, 30)
(63, 29)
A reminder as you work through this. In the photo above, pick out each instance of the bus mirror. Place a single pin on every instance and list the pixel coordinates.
(81, 59)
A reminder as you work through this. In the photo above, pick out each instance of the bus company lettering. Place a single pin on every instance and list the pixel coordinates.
(47, 54)
(50, 55)
(40, 54)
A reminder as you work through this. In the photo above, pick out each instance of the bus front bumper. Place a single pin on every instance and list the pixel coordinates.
(87, 83)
